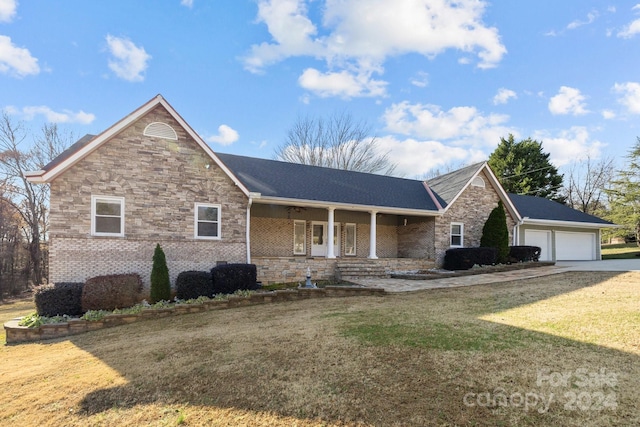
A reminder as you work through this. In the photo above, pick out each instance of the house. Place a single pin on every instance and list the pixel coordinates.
(150, 178)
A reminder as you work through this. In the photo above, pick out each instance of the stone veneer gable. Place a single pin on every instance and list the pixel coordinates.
(472, 208)
(160, 180)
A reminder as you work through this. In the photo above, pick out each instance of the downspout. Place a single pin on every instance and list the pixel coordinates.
(516, 231)
(252, 196)
(249, 229)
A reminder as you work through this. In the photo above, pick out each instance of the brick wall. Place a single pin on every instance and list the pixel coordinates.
(273, 237)
(416, 239)
(472, 209)
(160, 180)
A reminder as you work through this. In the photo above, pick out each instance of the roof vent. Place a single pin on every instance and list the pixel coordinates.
(478, 182)
(160, 130)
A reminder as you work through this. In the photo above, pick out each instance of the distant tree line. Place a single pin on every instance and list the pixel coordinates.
(24, 214)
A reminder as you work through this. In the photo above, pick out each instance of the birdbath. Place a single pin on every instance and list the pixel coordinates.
(308, 283)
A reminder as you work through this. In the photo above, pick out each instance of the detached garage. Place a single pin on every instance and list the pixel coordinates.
(563, 233)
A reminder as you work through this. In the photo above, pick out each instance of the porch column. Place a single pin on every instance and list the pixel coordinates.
(330, 251)
(373, 236)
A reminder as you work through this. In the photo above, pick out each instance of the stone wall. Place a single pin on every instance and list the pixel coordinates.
(160, 181)
(416, 238)
(472, 208)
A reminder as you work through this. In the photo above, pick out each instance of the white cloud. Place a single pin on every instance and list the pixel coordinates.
(608, 114)
(503, 96)
(8, 10)
(226, 135)
(591, 16)
(187, 3)
(430, 122)
(568, 101)
(128, 60)
(569, 145)
(343, 84)
(630, 96)
(415, 158)
(51, 116)
(421, 79)
(632, 28)
(16, 61)
(359, 35)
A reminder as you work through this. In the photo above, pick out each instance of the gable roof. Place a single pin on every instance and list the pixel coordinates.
(284, 182)
(538, 210)
(89, 143)
(450, 185)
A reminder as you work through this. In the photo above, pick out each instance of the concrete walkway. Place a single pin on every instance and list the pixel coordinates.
(406, 285)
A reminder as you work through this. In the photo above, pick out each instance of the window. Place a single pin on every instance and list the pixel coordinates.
(299, 238)
(457, 235)
(350, 239)
(207, 221)
(107, 216)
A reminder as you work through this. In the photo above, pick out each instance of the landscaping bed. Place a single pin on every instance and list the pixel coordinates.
(440, 274)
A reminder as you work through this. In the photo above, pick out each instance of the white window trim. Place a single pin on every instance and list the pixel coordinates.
(95, 199)
(461, 245)
(355, 239)
(304, 248)
(195, 222)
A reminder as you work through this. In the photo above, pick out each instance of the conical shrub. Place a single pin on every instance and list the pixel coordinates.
(160, 282)
(495, 233)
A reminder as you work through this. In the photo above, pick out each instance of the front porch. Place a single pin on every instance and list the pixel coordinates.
(294, 269)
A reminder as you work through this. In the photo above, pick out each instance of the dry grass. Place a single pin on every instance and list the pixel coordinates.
(398, 360)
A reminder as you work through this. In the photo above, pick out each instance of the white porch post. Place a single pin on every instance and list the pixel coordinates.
(330, 251)
(373, 236)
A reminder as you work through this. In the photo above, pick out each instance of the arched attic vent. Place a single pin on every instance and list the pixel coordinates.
(160, 130)
(478, 182)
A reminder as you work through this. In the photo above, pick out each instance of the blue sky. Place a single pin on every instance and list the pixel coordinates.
(438, 81)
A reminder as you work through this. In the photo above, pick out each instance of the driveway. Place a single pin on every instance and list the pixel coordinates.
(605, 265)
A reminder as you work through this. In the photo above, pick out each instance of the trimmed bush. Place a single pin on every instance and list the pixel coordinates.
(465, 258)
(59, 299)
(495, 233)
(160, 282)
(111, 292)
(524, 253)
(194, 284)
(229, 278)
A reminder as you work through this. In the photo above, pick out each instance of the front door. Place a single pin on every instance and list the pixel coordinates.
(319, 239)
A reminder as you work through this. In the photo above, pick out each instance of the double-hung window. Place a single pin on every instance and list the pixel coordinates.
(457, 235)
(207, 221)
(107, 216)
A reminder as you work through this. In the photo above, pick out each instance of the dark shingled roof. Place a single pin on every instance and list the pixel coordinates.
(69, 152)
(448, 186)
(274, 178)
(540, 208)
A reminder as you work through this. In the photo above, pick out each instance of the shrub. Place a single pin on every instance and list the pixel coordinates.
(229, 278)
(524, 253)
(465, 258)
(495, 233)
(59, 299)
(111, 292)
(194, 284)
(160, 282)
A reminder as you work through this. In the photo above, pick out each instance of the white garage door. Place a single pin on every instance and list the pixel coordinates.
(541, 238)
(575, 246)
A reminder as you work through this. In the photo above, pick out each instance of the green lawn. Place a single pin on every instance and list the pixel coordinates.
(620, 251)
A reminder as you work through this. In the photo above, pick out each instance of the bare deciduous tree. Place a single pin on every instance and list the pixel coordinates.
(337, 142)
(29, 200)
(585, 185)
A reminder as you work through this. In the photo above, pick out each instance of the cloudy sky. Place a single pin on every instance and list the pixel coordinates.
(439, 81)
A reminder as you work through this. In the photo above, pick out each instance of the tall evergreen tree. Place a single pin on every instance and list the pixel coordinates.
(495, 233)
(523, 168)
(624, 195)
(160, 282)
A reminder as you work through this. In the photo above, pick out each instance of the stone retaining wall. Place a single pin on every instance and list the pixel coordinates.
(18, 334)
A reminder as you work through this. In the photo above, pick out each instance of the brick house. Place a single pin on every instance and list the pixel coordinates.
(151, 179)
